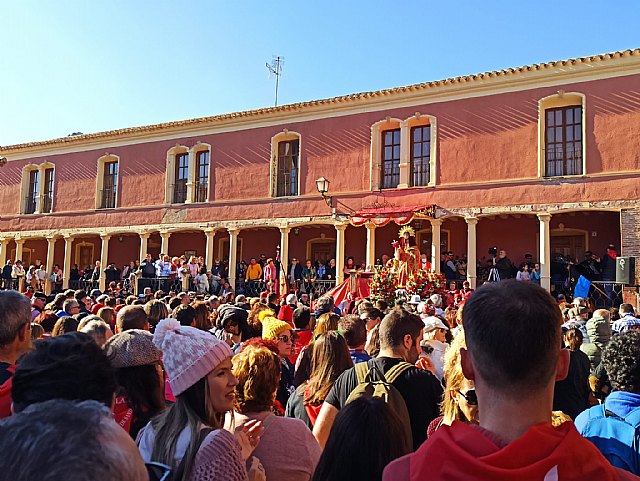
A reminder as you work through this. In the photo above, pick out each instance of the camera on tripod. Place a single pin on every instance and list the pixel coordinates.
(493, 251)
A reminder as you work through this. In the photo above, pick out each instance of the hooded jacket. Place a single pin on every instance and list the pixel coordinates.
(599, 332)
(465, 453)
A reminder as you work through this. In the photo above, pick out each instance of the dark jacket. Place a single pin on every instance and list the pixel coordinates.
(297, 273)
(6, 271)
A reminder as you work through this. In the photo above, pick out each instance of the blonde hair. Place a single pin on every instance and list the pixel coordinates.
(454, 381)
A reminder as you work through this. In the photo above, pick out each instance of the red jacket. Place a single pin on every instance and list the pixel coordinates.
(463, 452)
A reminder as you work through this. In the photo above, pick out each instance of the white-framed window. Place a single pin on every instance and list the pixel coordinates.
(107, 182)
(561, 131)
(37, 188)
(187, 174)
(403, 152)
(285, 164)
(177, 175)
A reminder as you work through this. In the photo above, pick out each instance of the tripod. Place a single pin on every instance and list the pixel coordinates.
(494, 275)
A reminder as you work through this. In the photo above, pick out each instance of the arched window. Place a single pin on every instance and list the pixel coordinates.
(107, 181)
(561, 130)
(285, 164)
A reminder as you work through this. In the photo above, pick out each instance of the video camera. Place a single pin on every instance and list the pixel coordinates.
(493, 251)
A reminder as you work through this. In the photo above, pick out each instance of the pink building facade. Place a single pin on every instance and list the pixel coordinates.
(541, 159)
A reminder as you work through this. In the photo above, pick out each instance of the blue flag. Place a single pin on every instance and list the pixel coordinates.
(582, 287)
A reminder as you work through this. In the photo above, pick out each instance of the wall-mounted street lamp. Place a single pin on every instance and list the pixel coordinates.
(323, 187)
(3, 160)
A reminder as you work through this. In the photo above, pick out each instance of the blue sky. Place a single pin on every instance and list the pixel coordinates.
(88, 66)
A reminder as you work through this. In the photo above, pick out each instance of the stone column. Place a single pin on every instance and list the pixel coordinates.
(4, 245)
(144, 238)
(19, 250)
(191, 177)
(630, 246)
(233, 254)
(545, 250)
(405, 152)
(284, 257)
(371, 244)
(104, 260)
(51, 245)
(164, 248)
(435, 244)
(471, 250)
(340, 228)
(66, 269)
(209, 253)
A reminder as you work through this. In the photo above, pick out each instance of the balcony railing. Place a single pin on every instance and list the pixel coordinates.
(47, 203)
(30, 204)
(108, 197)
(563, 161)
(200, 191)
(180, 193)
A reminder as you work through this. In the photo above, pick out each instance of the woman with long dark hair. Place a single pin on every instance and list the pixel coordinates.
(140, 378)
(366, 436)
(189, 436)
(330, 358)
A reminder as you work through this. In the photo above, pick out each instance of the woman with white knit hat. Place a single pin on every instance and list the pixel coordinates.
(189, 436)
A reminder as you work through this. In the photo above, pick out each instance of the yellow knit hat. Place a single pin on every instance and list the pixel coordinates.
(272, 328)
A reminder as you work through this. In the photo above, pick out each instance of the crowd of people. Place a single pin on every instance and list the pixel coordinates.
(503, 382)
(212, 382)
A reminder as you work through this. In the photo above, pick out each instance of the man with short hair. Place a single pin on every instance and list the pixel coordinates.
(354, 331)
(131, 317)
(38, 301)
(84, 301)
(185, 315)
(6, 275)
(627, 320)
(254, 271)
(71, 366)
(605, 424)
(400, 335)
(513, 356)
(372, 316)
(294, 275)
(96, 447)
(70, 307)
(15, 339)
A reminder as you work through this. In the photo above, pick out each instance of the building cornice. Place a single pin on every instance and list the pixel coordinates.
(621, 63)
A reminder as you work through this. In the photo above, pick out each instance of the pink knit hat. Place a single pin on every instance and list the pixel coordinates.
(189, 354)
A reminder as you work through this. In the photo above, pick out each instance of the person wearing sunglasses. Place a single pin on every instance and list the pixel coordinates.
(280, 331)
(459, 401)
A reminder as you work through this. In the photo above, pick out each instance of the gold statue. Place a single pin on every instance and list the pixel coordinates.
(406, 257)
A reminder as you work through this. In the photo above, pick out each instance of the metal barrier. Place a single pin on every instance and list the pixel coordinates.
(164, 284)
(9, 284)
(252, 288)
(319, 288)
(606, 294)
(86, 285)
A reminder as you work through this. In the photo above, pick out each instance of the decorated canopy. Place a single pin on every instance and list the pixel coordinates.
(381, 216)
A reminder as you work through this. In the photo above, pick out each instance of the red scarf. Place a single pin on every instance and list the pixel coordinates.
(612, 254)
(462, 452)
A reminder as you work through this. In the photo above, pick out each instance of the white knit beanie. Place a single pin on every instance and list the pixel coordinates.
(189, 354)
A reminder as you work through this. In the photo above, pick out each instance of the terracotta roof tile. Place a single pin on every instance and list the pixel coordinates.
(264, 112)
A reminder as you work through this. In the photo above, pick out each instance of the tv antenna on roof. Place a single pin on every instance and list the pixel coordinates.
(275, 69)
